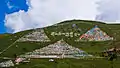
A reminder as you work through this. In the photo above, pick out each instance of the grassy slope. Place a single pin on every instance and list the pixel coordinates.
(66, 27)
(112, 30)
(70, 63)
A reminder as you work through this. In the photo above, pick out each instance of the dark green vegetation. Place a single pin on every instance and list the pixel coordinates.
(70, 63)
(112, 30)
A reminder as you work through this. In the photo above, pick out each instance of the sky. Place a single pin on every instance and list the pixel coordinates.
(8, 7)
(19, 15)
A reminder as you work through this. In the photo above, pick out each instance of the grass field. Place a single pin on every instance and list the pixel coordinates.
(112, 30)
(70, 63)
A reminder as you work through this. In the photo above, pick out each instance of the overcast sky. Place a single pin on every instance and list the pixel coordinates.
(42, 13)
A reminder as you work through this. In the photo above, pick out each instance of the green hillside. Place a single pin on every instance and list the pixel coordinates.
(8, 42)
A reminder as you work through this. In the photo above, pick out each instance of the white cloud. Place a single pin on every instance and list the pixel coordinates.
(19, 21)
(109, 11)
(47, 12)
(9, 5)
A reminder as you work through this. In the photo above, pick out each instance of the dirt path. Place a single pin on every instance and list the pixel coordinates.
(10, 45)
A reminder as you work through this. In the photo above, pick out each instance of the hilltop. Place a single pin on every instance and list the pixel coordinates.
(37, 41)
(78, 27)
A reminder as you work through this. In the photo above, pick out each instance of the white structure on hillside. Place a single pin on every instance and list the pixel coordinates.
(8, 63)
(60, 49)
(37, 35)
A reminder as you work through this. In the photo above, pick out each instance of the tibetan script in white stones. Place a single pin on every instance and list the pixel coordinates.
(67, 34)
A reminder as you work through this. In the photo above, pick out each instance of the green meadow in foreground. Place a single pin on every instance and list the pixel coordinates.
(70, 63)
